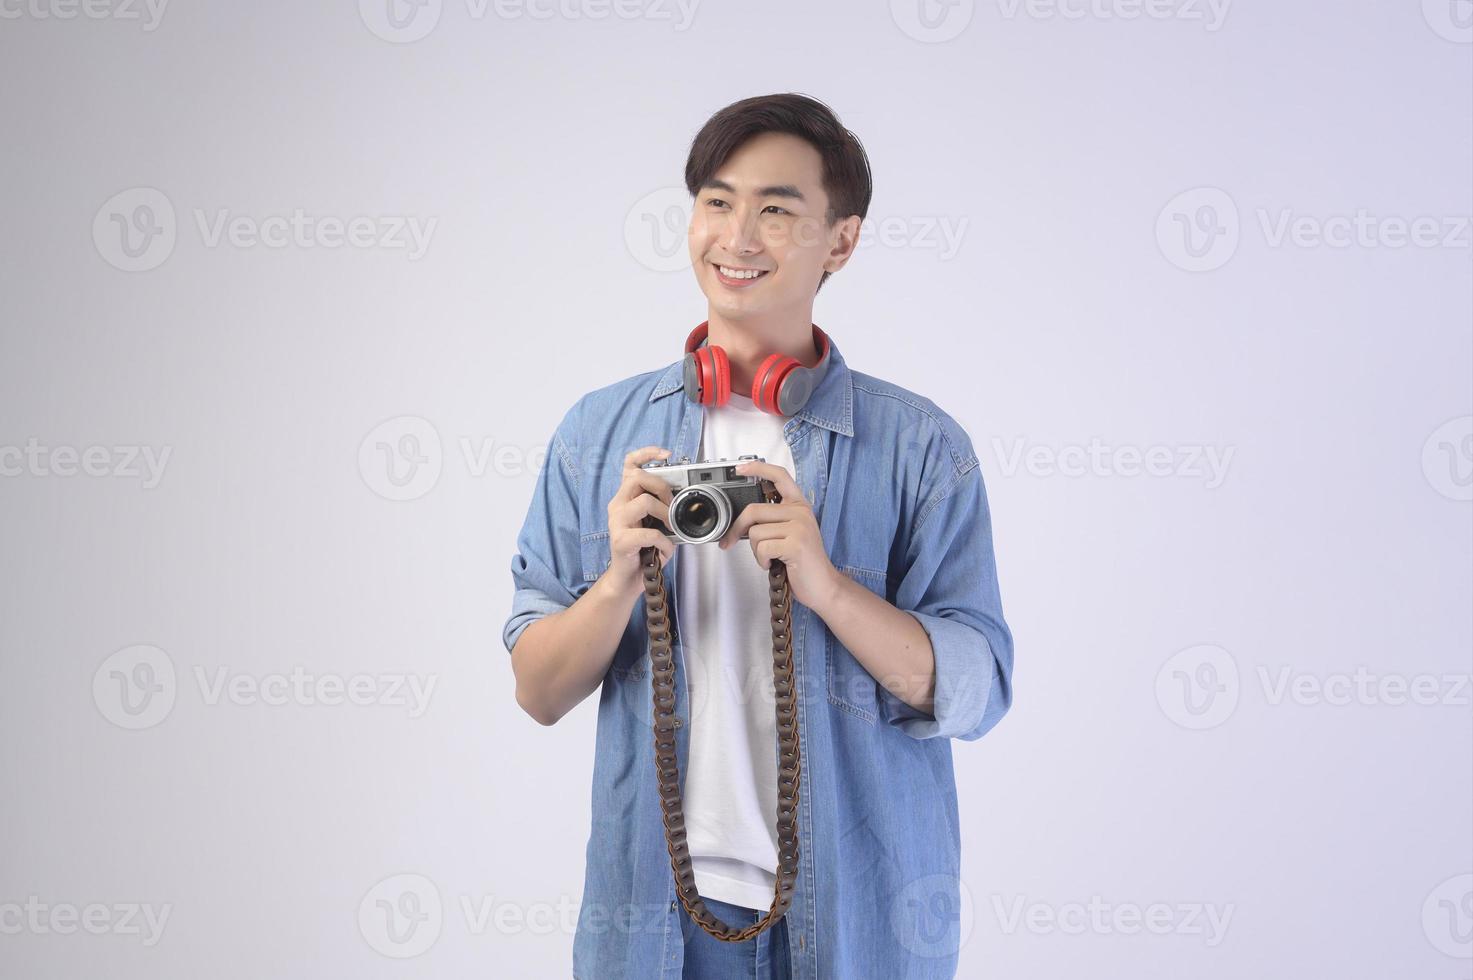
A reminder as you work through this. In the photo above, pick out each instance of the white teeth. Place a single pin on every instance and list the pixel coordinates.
(738, 274)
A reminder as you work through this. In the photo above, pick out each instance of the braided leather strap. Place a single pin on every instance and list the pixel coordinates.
(790, 759)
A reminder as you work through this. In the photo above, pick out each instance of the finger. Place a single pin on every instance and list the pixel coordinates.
(632, 460)
(766, 532)
(781, 479)
(633, 512)
(637, 482)
(762, 532)
(769, 549)
(634, 540)
(751, 514)
(642, 481)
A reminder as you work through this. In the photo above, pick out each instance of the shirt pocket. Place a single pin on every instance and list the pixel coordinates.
(631, 659)
(851, 688)
(594, 548)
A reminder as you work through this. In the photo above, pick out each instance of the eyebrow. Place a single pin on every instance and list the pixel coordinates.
(777, 190)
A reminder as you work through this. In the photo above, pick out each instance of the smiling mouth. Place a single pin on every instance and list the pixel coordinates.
(738, 278)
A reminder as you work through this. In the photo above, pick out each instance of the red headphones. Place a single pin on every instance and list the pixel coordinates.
(782, 385)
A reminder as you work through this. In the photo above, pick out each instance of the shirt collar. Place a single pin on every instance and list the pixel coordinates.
(831, 405)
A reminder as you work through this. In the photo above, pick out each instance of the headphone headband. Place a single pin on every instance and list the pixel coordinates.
(782, 384)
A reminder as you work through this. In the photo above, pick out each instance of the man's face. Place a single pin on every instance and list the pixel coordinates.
(764, 210)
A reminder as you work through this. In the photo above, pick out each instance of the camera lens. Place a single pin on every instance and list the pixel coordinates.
(699, 514)
(696, 515)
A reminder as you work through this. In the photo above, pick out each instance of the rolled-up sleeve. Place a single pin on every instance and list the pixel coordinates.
(950, 586)
(547, 571)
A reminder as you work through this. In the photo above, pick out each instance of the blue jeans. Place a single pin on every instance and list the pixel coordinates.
(763, 957)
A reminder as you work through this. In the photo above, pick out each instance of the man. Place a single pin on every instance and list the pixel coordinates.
(898, 639)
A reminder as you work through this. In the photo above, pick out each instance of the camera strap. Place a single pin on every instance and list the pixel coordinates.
(790, 760)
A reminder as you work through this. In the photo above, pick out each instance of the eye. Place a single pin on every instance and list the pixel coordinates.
(718, 202)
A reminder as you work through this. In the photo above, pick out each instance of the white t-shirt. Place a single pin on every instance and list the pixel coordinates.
(726, 614)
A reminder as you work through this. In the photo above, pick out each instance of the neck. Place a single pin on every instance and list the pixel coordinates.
(748, 342)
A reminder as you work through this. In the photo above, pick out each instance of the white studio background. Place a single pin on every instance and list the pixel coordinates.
(1194, 276)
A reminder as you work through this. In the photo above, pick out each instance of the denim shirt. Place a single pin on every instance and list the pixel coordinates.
(898, 493)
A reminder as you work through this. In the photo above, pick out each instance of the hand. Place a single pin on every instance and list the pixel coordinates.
(641, 494)
(787, 531)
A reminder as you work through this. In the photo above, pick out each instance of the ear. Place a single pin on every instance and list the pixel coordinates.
(845, 235)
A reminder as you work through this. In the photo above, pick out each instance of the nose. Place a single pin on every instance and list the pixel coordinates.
(740, 236)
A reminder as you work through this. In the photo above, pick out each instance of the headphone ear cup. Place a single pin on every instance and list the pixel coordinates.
(707, 375)
(712, 375)
(765, 381)
(690, 373)
(720, 374)
(704, 382)
(789, 392)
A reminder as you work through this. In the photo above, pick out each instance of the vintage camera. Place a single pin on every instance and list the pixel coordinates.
(708, 497)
